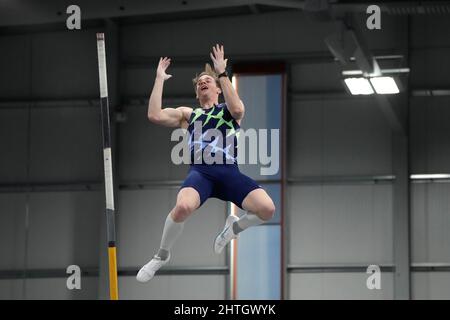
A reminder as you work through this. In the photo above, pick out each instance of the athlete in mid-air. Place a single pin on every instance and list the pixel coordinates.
(220, 179)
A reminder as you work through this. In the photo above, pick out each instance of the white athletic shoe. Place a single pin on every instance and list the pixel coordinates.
(226, 235)
(148, 271)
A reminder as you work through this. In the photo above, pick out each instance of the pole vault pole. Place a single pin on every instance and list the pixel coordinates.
(107, 161)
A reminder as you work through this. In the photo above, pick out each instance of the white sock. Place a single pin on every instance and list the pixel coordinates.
(246, 221)
(172, 231)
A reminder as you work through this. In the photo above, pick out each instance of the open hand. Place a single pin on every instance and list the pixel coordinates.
(163, 64)
(217, 56)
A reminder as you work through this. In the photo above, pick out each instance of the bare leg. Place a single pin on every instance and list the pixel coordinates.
(259, 207)
(188, 200)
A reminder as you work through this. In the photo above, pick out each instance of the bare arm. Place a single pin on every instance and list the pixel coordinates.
(169, 117)
(234, 103)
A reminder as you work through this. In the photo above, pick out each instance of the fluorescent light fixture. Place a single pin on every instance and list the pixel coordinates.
(430, 176)
(352, 73)
(384, 85)
(358, 86)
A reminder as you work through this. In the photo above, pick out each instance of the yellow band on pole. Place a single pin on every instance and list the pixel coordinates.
(113, 285)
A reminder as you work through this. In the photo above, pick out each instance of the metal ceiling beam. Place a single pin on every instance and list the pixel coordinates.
(431, 92)
(305, 57)
(28, 12)
(254, 9)
(94, 272)
(130, 101)
(291, 4)
(347, 45)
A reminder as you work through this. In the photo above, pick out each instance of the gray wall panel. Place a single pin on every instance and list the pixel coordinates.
(11, 290)
(66, 145)
(345, 137)
(15, 66)
(340, 224)
(145, 150)
(48, 289)
(141, 221)
(340, 286)
(305, 139)
(427, 30)
(207, 287)
(357, 139)
(139, 81)
(430, 222)
(389, 37)
(430, 285)
(13, 141)
(317, 77)
(56, 289)
(139, 40)
(12, 231)
(430, 68)
(430, 145)
(64, 229)
(65, 64)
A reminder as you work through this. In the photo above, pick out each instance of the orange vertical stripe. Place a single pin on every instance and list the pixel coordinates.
(113, 285)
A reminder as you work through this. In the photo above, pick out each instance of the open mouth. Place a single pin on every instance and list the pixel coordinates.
(203, 88)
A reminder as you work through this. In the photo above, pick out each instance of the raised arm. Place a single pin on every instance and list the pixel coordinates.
(234, 103)
(169, 117)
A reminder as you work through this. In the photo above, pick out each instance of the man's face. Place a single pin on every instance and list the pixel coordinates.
(207, 87)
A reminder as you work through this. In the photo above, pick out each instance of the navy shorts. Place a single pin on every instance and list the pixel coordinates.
(222, 181)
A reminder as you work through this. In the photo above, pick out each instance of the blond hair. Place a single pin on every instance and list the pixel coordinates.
(209, 71)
